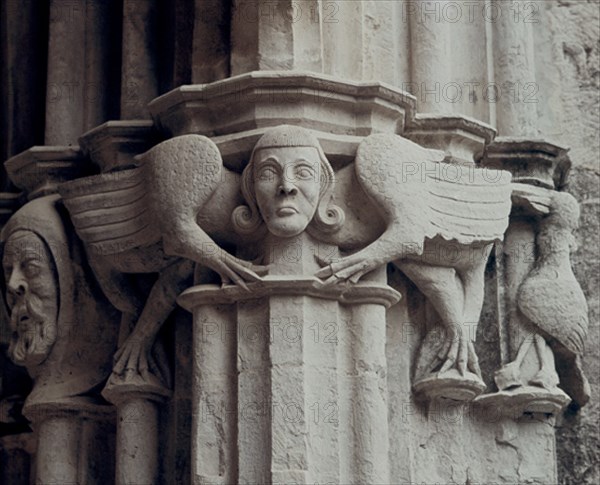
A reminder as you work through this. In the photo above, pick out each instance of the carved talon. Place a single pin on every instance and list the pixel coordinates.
(460, 353)
(134, 356)
(351, 268)
(239, 272)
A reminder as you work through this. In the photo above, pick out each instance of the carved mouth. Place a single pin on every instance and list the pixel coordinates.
(287, 211)
(23, 322)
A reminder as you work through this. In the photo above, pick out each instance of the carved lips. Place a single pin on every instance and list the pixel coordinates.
(287, 211)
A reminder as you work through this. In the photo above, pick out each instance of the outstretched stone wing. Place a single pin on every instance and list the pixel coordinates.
(426, 197)
(119, 211)
(111, 212)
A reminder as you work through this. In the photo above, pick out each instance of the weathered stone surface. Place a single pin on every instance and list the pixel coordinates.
(567, 40)
(273, 214)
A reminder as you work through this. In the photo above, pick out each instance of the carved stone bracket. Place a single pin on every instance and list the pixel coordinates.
(113, 144)
(39, 170)
(461, 138)
(271, 98)
(535, 162)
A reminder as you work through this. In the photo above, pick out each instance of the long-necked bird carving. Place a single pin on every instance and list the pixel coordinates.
(552, 300)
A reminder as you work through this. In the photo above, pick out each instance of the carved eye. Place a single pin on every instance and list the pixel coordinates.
(266, 174)
(31, 268)
(304, 173)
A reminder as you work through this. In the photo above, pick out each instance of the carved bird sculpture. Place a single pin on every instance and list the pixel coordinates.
(441, 220)
(551, 298)
(158, 217)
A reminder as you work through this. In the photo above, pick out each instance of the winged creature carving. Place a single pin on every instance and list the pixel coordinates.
(441, 221)
(402, 204)
(145, 220)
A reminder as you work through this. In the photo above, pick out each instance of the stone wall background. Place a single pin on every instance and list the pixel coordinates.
(574, 28)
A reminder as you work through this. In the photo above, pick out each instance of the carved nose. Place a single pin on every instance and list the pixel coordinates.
(16, 285)
(287, 188)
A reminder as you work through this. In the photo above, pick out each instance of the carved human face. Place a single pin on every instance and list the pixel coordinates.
(31, 296)
(286, 182)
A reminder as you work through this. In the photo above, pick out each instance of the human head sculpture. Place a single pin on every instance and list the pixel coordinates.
(63, 330)
(31, 297)
(287, 186)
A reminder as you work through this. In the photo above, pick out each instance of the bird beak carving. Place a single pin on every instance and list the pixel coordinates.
(537, 199)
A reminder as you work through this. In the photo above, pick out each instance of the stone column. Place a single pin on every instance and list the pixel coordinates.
(210, 44)
(430, 56)
(214, 396)
(139, 71)
(78, 95)
(282, 35)
(70, 440)
(138, 440)
(514, 69)
(66, 73)
(311, 388)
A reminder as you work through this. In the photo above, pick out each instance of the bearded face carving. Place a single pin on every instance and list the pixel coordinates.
(31, 297)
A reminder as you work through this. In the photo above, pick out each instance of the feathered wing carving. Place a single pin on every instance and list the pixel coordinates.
(157, 201)
(430, 198)
(145, 220)
(112, 212)
(422, 198)
(427, 204)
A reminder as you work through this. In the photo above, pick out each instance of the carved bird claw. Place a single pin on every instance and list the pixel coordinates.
(351, 268)
(135, 358)
(545, 378)
(238, 271)
(459, 351)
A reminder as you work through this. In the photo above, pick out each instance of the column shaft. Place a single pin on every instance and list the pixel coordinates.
(137, 442)
(514, 70)
(139, 71)
(214, 396)
(59, 442)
